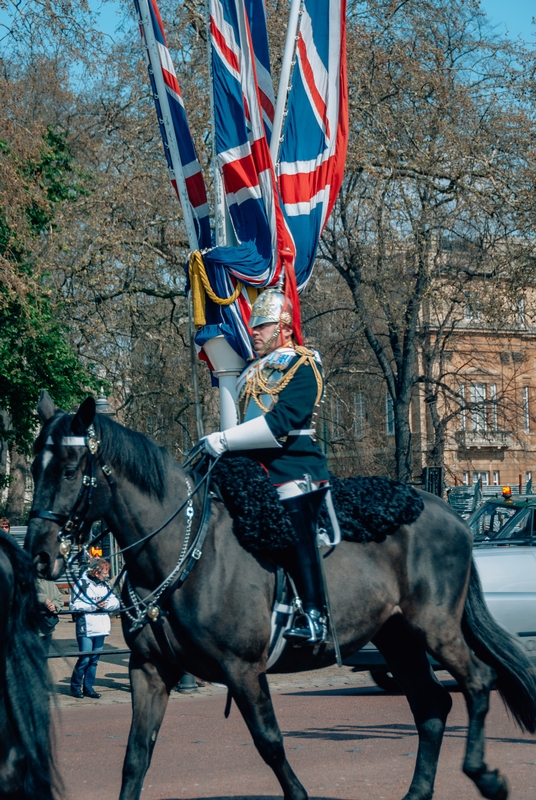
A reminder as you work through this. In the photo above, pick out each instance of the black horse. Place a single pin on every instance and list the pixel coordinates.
(26, 763)
(416, 592)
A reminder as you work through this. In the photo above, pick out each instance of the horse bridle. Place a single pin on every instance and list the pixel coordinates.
(72, 524)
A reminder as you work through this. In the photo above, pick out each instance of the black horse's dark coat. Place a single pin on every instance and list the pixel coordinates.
(368, 509)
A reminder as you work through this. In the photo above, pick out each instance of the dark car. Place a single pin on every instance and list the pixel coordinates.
(505, 519)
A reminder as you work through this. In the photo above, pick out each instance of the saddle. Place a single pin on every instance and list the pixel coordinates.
(368, 509)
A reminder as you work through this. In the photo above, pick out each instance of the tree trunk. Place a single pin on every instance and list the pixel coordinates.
(17, 488)
(403, 444)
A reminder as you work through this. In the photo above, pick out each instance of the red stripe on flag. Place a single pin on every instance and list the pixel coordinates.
(159, 20)
(308, 74)
(195, 186)
(240, 174)
(302, 186)
(261, 155)
(341, 144)
(226, 51)
(267, 105)
(171, 81)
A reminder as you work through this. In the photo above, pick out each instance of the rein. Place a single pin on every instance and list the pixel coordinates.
(147, 608)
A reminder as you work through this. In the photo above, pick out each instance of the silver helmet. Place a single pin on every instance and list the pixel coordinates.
(271, 306)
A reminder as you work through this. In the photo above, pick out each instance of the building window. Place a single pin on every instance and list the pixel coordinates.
(528, 476)
(478, 415)
(335, 412)
(496, 478)
(481, 476)
(466, 476)
(359, 414)
(389, 415)
(526, 410)
(472, 314)
(463, 415)
(494, 410)
(521, 311)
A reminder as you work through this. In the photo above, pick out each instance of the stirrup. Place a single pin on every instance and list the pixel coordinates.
(315, 630)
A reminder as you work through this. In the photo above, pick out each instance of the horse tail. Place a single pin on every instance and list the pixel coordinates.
(516, 682)
(28, 684)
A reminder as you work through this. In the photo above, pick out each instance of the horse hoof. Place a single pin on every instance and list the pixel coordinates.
(492, 785)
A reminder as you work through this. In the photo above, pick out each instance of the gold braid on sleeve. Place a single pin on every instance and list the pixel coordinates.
(256, 386)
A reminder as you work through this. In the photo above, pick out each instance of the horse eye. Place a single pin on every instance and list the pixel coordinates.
(70, 472)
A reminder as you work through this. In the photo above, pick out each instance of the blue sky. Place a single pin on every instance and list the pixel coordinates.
(514, 16)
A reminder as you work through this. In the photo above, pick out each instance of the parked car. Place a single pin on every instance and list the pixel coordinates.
(505, 557)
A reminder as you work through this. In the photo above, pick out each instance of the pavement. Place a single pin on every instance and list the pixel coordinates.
(112, 672)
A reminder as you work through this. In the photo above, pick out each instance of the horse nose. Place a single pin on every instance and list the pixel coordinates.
(42, 562)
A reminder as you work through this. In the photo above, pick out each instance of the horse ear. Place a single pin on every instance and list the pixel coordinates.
(83, 417)
(45, 407)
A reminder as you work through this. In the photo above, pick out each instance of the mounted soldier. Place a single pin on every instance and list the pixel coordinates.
(279, 394)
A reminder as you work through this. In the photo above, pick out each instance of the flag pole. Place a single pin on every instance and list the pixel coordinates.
(226, 363)
(284, 78)
(171, 144)
(225, 236)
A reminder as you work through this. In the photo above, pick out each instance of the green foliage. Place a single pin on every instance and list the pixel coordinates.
(34, 350)
(34, 355)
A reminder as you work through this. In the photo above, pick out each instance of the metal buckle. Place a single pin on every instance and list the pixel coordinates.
(69, 525)
(197, 554)
(86, 480)
(190, 512)
(106, 469)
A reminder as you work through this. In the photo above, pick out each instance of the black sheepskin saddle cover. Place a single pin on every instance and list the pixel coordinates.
(368, 509)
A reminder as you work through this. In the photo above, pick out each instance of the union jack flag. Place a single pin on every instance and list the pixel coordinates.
(241, 111)
(315, 134)
(177, 136)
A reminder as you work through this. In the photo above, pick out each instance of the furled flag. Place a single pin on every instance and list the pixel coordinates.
(179, 147)
(315, 133)
(242, 148)
(259, 36)
(243, 112)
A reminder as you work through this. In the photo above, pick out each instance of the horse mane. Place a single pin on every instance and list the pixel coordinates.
(128, 452)
(28, 686)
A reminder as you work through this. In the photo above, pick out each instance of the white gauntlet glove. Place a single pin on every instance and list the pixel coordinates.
(215, 443)
(252, 435)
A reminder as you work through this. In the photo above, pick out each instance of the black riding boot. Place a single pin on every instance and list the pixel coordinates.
(303, 563)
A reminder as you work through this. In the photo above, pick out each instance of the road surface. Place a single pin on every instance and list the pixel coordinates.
(343, 741)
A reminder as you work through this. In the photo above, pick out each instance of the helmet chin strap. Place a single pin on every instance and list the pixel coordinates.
(264, 349)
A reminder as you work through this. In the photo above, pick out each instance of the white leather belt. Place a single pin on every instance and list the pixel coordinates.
(308, 432)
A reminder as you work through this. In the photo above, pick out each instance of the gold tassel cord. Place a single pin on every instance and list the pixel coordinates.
(200, 287)
(256, 386)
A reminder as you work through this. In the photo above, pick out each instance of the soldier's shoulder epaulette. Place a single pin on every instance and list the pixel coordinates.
(279, 361)
(306, 351)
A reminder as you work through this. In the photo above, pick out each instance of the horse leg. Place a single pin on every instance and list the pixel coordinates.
(251, 693)
(476, 680)
(150, 694)
(429, 701)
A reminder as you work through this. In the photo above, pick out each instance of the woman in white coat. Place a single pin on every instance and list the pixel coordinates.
(92, 593)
